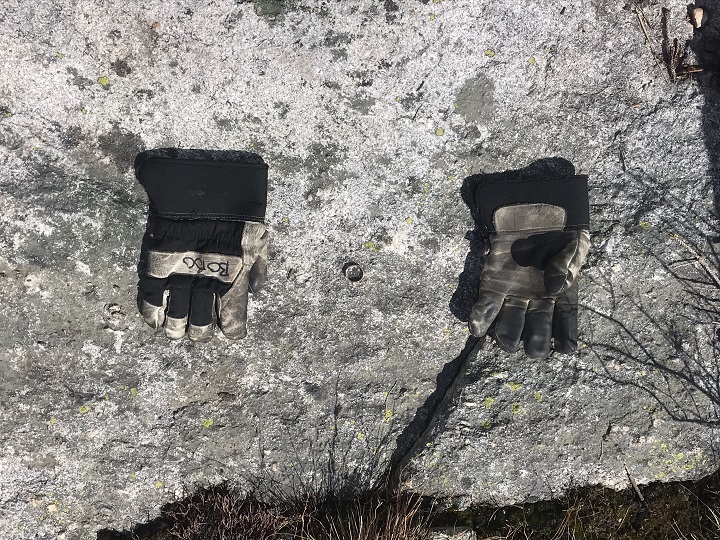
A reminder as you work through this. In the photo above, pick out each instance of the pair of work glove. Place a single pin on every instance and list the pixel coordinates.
(206, 247)
(206, 244)
(539, 238)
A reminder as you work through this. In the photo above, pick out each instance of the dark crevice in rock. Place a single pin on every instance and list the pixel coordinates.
(427, 415)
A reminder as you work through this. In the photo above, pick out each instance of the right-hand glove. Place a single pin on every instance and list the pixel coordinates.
(539, 238)
(205, 244)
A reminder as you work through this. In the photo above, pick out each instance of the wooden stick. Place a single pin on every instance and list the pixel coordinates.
(634, 484)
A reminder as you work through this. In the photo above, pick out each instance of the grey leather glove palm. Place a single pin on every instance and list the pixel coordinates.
(205, 245)
(539, 238)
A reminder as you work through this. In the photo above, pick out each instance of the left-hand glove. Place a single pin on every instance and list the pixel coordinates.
(205, 244)
(539, 238)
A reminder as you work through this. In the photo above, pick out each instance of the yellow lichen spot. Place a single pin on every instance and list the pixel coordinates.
(408, 221)
(83, 110)
(645, 224)
(439, 132)
(360, 436)
(134, 392)
(159, 485)
(532, 61)
(132, 476)
(59, 55)
(679, 456)
(538, 396)
(432, 16)
(8, 114)
(488, 402)
(388, 415)
(514, 386)
(428, 444)
(485, 424)
(489, 53)
(53, 421)
(207, 423)
(285, 220)
(103, 81)
(516, 408)
(372, 246)
(84, 409)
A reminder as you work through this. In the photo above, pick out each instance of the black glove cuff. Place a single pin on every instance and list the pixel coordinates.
(185, 188)
(570, 193)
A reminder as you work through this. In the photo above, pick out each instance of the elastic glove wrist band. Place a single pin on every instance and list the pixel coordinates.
(200, 189)
(570, 193)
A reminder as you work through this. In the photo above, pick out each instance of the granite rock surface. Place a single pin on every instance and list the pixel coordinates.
(372, 116)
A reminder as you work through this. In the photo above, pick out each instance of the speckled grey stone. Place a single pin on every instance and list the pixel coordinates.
(371, 117)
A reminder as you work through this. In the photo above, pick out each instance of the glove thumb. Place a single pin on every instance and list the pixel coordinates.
(562, 269)
(258, 275)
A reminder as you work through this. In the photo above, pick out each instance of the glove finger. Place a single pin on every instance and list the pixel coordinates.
(152, 301)
(258, 275)
(232, 309)
(565, 321)
(538, 328)
(177, 313)
(201, 316)
(510, 323)
(484, 312)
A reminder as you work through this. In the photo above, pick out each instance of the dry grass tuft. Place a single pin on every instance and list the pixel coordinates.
(221, 513)
(380, 516)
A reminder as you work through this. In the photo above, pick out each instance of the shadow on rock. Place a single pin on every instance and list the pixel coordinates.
(672, 352)
(430, 415)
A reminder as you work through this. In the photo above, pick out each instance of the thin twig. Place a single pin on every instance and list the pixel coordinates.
(643, 26)
(700, 259)
(667, 49)
(634, 484)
